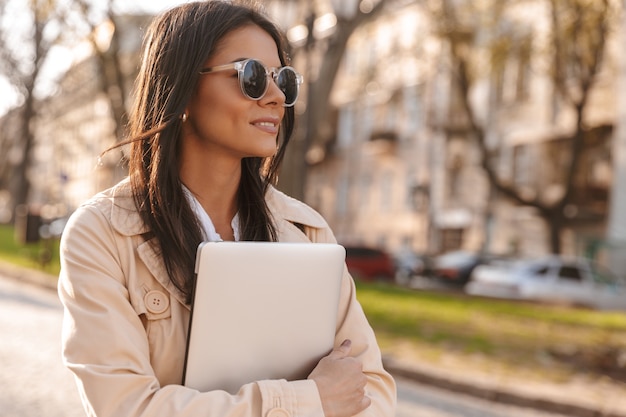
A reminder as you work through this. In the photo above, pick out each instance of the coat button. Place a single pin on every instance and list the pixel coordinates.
(156, 302)
(278, 412)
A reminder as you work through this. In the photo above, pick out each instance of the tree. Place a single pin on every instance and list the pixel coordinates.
(315, 123)
(105, 30)
(616, 229)
(578, 42)
(113, 80)
(23, 53)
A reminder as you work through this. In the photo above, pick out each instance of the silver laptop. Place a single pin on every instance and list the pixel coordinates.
(261, 310)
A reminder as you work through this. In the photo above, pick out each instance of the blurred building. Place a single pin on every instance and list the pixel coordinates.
(376, 184)
(403, 169)
(75, 125)
(616, 228)
(80, 116)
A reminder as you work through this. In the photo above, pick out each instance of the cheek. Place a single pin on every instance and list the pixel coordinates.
(220, 102)
(219, 108)
(223, 122)
(219, 89)
(206, 112)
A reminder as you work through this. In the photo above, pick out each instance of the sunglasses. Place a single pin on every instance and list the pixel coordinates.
(253, 74)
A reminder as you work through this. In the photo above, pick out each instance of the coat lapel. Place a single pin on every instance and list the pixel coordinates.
(288, 213)
(126, 220)
(153, 261)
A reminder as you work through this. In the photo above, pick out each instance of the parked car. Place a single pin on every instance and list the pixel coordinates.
(456, 267)
(369, 264)
(575, 281)
(410, 264)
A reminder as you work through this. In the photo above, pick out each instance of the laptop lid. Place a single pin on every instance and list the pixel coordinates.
(261, 310)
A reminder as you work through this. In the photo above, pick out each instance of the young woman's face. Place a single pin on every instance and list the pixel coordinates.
(221, 119)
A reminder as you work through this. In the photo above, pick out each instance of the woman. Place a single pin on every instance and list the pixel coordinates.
(212, 116)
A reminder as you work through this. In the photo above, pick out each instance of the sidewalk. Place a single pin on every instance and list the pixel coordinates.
(583, 397)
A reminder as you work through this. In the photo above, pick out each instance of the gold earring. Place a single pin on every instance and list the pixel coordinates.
(183, 117)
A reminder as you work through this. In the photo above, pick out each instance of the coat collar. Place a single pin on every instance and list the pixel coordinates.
(289, 209)
(125, 219)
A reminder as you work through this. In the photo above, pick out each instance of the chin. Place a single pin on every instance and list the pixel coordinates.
(268, 154)
(267, 151)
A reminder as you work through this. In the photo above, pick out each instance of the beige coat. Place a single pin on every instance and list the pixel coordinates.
(125, 324)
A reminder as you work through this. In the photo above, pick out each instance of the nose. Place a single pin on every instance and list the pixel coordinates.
(273, 95)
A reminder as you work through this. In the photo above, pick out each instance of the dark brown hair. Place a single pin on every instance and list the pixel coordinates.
(176, 46)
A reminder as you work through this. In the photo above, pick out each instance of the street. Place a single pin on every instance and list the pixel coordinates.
(33, 381)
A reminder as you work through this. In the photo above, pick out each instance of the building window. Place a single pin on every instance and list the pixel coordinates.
(522, 166)
(451, 239)
(455, 178)
(512, 76)
(364, 191)
(342, 196)
(386, 194)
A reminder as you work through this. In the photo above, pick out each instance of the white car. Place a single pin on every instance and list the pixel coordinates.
(574, 281)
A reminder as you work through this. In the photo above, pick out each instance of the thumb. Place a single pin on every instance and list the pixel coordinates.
(342, 350)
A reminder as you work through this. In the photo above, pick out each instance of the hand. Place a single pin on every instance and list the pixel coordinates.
(341, 383)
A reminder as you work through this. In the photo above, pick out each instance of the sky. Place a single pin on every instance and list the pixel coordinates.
(60, 58)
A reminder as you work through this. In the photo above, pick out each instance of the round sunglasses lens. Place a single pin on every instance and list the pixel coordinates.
(254, 79)
(288, 84)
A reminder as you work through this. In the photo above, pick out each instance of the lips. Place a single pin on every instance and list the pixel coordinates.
(267, 124)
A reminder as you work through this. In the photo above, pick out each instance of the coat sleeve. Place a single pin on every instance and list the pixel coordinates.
(105, 344)
(353, 324)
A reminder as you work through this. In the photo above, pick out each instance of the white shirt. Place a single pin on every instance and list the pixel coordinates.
(208, 229)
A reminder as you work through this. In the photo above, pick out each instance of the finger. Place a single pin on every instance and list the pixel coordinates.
(342, 350)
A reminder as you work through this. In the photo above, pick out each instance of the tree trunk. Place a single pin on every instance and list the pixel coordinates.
(555, 225)
(315, 126)
(21, 182)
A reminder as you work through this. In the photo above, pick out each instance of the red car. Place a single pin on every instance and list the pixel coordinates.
(369, 264)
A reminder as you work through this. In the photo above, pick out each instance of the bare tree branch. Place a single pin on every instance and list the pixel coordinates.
(578, 50)
(22, 67)
(316, 120)
(112, 77)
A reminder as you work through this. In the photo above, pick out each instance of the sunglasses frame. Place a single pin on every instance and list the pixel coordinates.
(239, 66)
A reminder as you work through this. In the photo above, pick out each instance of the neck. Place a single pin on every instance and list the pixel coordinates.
(216, 188)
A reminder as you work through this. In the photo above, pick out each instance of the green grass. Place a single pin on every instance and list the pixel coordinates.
(43, 255)
(494, 332)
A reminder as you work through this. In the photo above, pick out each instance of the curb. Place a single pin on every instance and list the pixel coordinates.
(28, 275)
(396, 368)
(492, 394)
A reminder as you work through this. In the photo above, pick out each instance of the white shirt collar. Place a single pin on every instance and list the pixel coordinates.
(208, 229)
